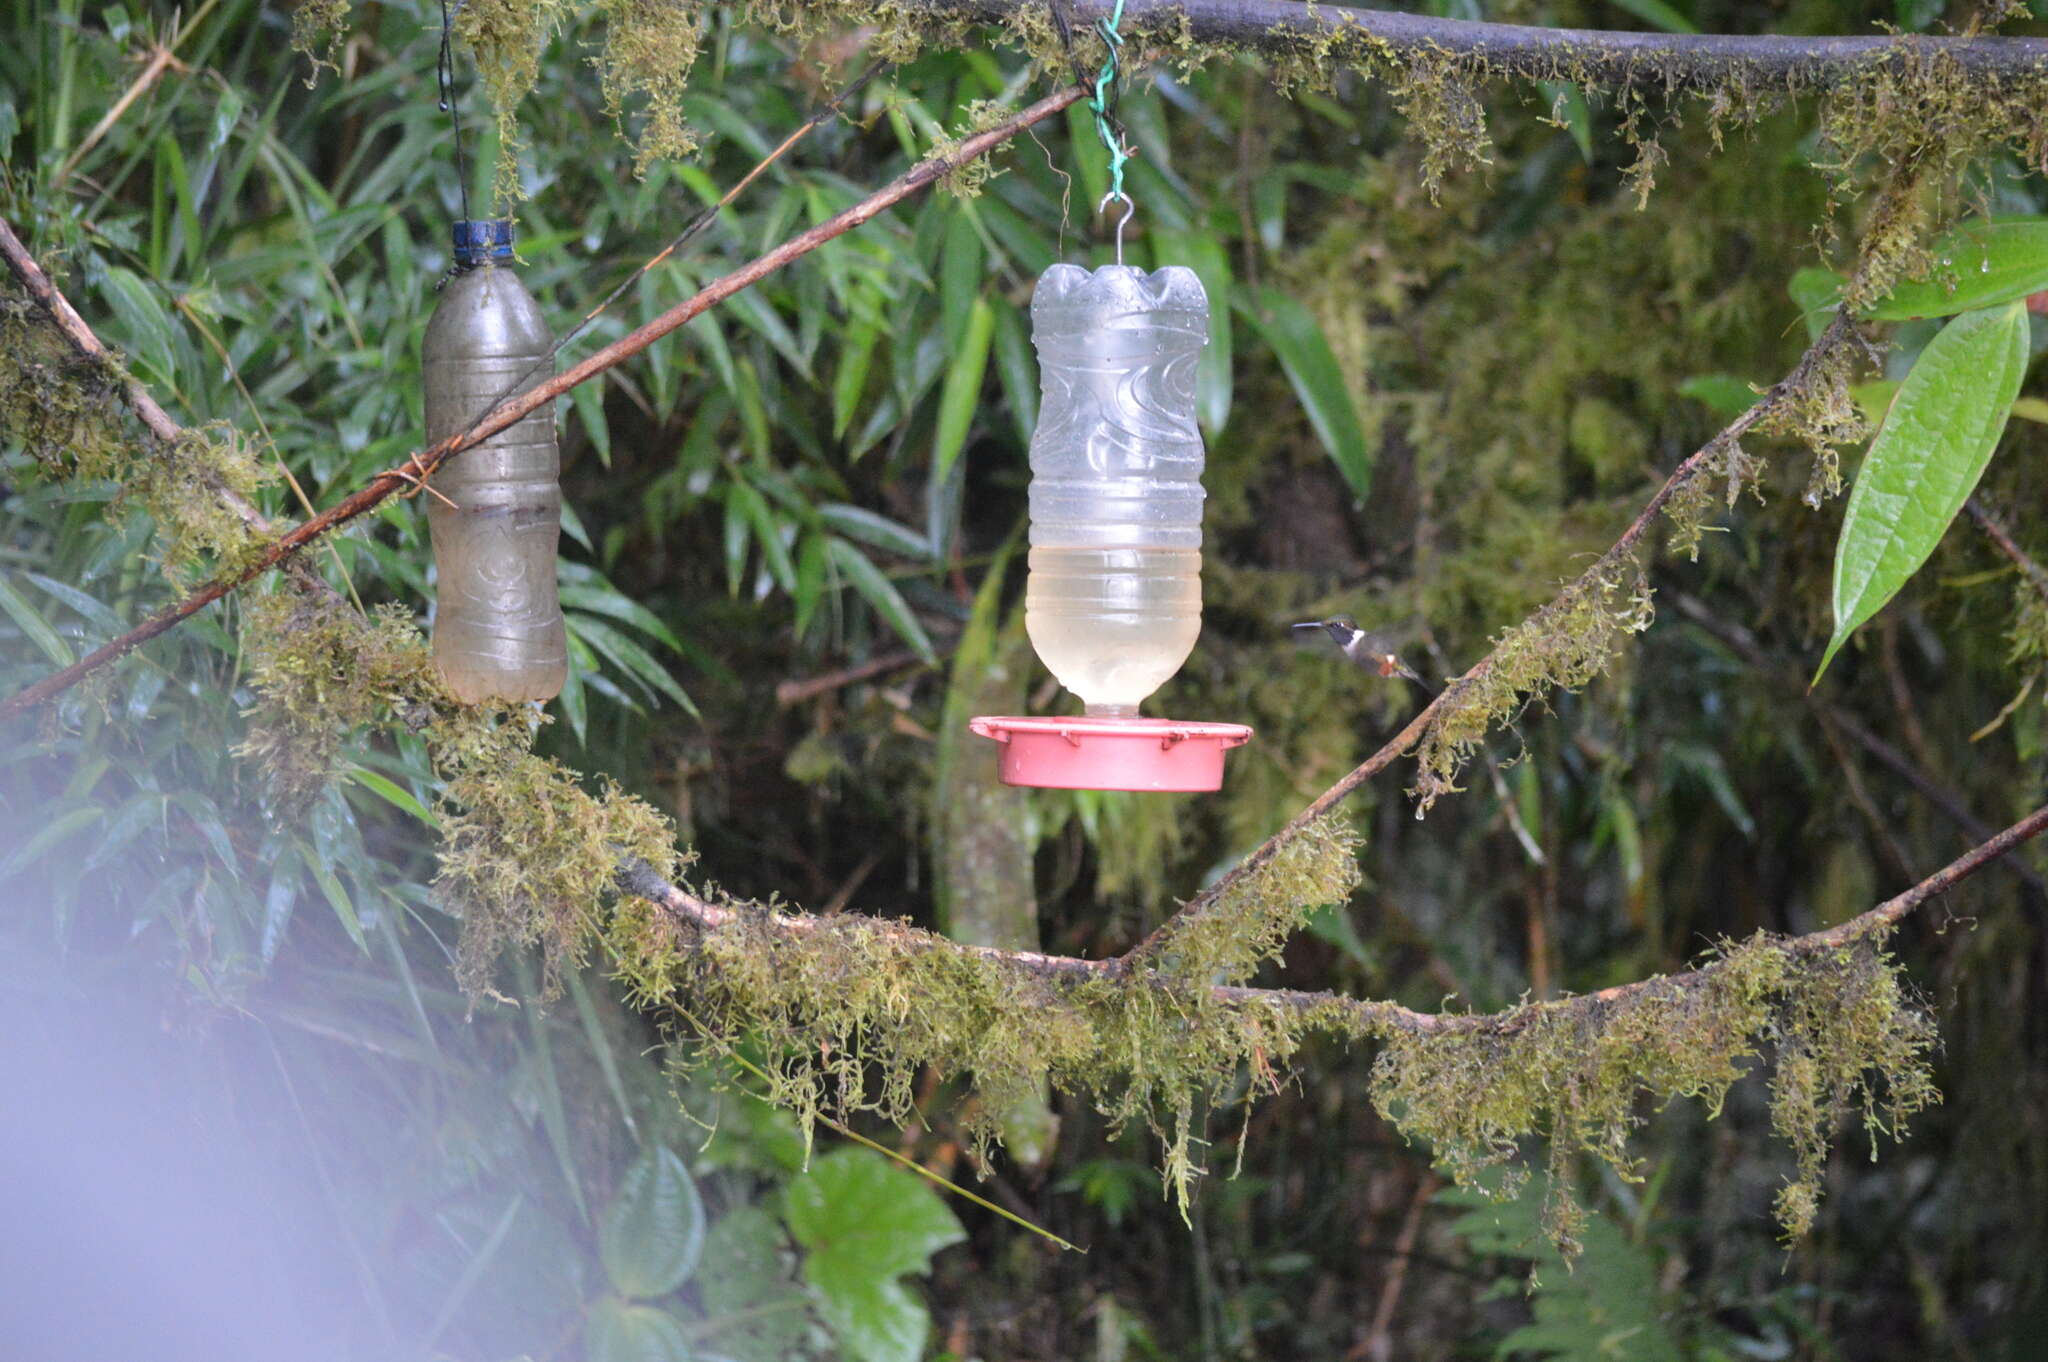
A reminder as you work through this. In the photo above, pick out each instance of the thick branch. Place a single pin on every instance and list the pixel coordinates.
(1365, 1015)
(513, 409)
(1677, 61)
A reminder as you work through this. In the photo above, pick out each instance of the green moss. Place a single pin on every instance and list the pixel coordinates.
(1837, 1025)
(649, 48)
(59, 406)
(1248, 924)
(1563, 646)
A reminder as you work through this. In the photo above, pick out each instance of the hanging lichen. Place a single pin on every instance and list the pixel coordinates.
(1836, 1025)
(649, 48)
(527, 855)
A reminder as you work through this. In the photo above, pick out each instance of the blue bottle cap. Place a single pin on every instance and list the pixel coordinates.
(480, 239)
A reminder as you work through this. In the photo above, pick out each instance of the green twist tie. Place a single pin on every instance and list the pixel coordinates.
(1099, 103)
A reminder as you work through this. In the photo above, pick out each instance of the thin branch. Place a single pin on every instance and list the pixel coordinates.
(1838, 332)
(1744, 644)
(514, 409)
(638, 879)
(1995, 530)
(1674, 60)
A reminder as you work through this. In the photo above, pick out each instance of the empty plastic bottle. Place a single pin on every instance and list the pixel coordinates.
(1114, 598)
(498, 631)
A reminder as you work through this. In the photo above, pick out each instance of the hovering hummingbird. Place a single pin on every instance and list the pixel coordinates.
(1374, 651)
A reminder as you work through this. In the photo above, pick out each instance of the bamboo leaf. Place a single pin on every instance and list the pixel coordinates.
(34, 625)
(962, 390)
(1312, 370)
(1940, 433)
(881, 593)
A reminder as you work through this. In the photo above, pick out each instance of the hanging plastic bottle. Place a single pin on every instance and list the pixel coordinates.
(1113, 602)
(498, 632)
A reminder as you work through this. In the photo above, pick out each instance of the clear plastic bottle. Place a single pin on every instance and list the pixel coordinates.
(498, 632)
(1114, 598)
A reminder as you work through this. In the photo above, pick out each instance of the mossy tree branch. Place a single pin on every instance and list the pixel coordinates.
(1335, 1011)
(1674, 61)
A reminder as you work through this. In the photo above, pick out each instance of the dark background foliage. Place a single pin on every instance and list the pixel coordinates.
(233, 1041)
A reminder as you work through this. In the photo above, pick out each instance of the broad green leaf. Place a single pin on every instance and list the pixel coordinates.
(1978, 265)
(654, 1228)
(1941, 431)
(882, 594)
(1725, 395)
(962, 390)
(864, 1224)
(1312, 369)
(754, 1305)
(1818, 293)
(617, 1332)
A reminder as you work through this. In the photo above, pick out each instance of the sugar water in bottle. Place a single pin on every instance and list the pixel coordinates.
(498, 632)
(1113, 602)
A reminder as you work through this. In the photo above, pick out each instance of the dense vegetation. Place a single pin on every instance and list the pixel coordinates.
(361, 945)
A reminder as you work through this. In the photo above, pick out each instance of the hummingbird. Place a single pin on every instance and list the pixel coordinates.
(1373, 651)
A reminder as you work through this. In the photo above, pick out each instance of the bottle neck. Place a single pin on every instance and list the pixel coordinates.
(1094, 711)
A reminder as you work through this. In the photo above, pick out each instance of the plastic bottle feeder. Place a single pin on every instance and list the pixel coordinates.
(1113, 600)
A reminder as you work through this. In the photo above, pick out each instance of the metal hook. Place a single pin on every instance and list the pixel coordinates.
(1130, 209)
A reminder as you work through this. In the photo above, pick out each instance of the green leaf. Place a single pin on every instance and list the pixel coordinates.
(1312, 369)
(394, 794)
(34, 625)
(617, 1332)
(49, 835)
(881, 593)
(1659, 15)
(960, 274)
(1942, 429)
(1569, 111)
(864, 1224)
(1204, 254)
(1979, 264)
(1725, 395)
(654, 1228)
(858, 522)
(850, 380)
(1818, 293)
(961, 393)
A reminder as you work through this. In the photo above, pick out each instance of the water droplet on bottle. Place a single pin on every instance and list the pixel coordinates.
(1946, 262)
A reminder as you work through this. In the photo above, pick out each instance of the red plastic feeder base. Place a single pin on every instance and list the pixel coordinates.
(1112, 754)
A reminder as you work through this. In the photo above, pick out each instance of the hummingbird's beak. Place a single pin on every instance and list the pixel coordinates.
(1309, 626)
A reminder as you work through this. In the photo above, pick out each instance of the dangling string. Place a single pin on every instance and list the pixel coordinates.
(444, 74)
(1102, 103)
